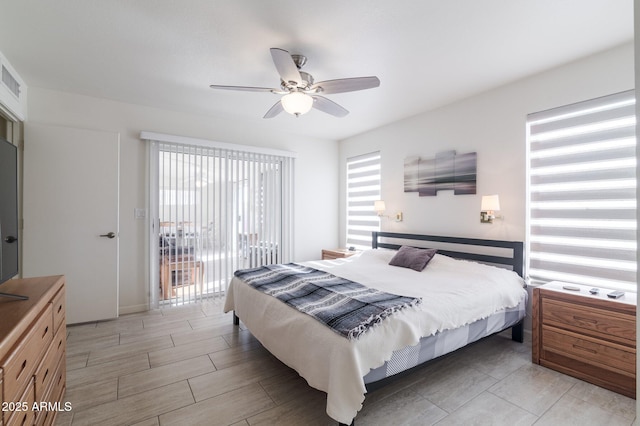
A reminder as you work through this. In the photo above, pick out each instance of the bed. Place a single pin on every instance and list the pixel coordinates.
(470, 289)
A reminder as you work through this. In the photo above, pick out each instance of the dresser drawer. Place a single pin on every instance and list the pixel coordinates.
(607, 355)
(22, 363)
(59, 309)
(24, 415)
(59, 382)
(54, 394)
(608, 325)
(47, 369)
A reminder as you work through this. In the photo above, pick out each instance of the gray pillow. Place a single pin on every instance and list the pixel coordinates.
(412, 257)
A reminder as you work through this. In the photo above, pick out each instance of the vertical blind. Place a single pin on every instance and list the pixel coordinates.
(363, 189)
(218, 210)
(582, 193)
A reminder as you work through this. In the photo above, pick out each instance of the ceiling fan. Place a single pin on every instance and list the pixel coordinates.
(299, 90)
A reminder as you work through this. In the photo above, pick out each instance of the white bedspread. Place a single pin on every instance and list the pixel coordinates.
(454, 293)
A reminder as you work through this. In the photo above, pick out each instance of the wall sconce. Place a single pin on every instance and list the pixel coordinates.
(490, 204)
(380, 207)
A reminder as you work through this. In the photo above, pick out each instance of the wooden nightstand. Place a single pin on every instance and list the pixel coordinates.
(336, 253)
(591, 337)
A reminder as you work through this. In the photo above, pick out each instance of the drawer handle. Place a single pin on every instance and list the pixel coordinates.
(44, 378)
(59, 344)
(22, 368)
(585, 349)
(592, 321)
(46, 330)
(59, 308)
(24, 420)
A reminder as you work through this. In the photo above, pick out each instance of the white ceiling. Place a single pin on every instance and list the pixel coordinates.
(165, 53)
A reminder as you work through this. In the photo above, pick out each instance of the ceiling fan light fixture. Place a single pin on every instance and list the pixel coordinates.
(298, 90)
(297, 103)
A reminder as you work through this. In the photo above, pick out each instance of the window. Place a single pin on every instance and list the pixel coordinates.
(582, 193)
(363, 189)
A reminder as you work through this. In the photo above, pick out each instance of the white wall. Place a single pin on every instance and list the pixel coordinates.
(316, 172)
(493, 125)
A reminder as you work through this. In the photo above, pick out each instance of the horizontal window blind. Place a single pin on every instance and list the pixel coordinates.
(363, 189)
(582, 193)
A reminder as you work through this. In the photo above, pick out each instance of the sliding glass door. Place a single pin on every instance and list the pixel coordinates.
(216, 210)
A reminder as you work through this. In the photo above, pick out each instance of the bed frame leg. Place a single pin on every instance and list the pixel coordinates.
(236, 320)
(353, 422)
(517, 332)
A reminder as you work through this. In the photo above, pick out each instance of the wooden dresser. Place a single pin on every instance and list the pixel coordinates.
(591, 337)
(32, 351)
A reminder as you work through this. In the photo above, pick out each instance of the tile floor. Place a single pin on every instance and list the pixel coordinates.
(191, 366)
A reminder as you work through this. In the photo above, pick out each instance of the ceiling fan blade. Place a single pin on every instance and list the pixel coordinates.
(286, 67)
(242, 88)
(345, 85)
(328, 106)
(274, 110)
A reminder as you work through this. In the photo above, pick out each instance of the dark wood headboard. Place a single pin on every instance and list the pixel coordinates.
(462, 247)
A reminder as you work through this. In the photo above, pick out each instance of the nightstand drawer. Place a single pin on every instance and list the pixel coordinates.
(606, 324)
(606, 355)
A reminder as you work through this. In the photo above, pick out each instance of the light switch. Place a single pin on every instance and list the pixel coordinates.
(139, 213)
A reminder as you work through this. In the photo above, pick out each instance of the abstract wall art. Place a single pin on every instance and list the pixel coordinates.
(447, 171)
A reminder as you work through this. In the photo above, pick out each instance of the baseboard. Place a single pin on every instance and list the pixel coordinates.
(134, 309)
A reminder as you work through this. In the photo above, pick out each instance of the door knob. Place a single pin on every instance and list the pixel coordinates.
(109, 235)
(10, 239)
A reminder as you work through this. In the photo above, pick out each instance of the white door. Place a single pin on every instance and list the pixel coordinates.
(70, 212)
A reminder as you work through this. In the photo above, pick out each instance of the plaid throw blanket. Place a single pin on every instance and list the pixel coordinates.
(347, 307)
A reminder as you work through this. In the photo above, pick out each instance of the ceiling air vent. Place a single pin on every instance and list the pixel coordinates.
(11, 83)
